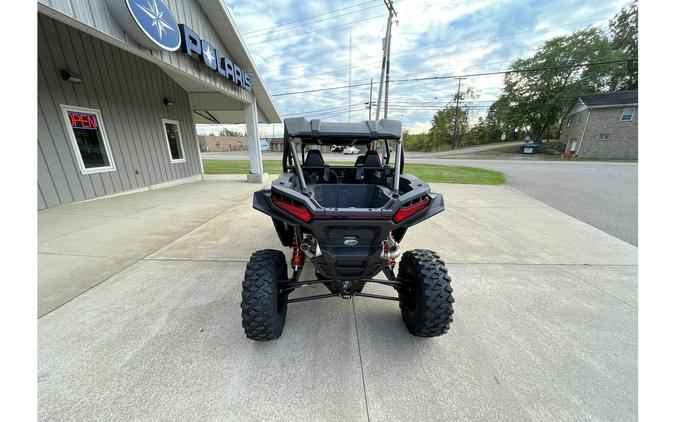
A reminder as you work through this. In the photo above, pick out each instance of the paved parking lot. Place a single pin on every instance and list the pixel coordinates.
(139, 318)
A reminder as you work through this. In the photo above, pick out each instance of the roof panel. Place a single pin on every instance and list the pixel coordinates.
(316, 130)
(617, 98)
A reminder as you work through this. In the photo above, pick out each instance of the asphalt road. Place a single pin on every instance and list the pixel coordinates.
(602, 194)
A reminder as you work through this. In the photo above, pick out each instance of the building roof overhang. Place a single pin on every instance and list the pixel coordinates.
(223, 21)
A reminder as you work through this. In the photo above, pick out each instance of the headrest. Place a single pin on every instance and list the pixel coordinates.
(372, 159)
(314, 158)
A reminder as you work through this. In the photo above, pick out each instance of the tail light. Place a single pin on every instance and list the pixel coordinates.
(410, 210)
(299, 211)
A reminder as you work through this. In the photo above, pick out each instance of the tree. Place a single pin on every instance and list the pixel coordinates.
(542, 87)
(445, 121)
(624, 31)
(228, 132)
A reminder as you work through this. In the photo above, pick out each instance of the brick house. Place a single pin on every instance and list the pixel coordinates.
(603, 126)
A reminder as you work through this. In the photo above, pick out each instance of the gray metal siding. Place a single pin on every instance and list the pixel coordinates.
(129, 92)
(95, 14)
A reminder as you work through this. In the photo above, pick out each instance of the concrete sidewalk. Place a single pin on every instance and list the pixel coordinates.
(140, 319)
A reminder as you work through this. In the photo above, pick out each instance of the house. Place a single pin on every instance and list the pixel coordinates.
(218, 143)
(603, 126)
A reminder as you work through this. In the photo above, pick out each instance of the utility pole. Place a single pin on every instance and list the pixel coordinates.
(455, 134)
(370, 101)
(350, 75)
(386, 47)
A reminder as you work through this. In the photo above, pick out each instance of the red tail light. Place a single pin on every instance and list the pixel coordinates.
(299, 211)
(410, 210)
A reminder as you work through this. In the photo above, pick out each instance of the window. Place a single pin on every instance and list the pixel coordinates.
(627, 114)
(88, 138)
(603, 136)
(173, 140)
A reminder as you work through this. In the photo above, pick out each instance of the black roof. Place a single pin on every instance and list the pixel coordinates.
(317, 131)
(618, 98)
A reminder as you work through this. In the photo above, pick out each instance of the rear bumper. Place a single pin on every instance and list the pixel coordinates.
(350, 240)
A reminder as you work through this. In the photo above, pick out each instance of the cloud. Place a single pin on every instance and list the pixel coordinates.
(433, 37)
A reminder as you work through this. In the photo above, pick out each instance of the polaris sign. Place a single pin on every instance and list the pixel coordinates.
(152, 25)
(200, 49)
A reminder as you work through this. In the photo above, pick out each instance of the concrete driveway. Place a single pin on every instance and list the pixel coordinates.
(139, 318)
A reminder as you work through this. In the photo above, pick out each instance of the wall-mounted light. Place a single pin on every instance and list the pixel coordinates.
(71, 77)
(168, 102)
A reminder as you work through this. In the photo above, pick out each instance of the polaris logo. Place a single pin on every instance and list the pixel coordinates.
(351, 242)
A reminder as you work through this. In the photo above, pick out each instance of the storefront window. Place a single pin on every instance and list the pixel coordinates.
(88, 138)
(173, 140)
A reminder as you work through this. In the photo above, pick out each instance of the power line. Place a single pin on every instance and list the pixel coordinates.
(277, 29)
(276, 81)
(310, 17)
(468, 75)
(431, 105)
(339, 25)
(415, 50)
(320, 110)
(317, 30)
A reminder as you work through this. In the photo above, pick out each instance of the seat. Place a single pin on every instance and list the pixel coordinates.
(360, 160)
(317, 170)
(372, 159)
(314, 159)
(370, 168)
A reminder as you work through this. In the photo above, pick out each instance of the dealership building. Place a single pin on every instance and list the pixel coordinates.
(121, 85)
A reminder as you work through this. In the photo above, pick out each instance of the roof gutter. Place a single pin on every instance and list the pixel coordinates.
(614, 105)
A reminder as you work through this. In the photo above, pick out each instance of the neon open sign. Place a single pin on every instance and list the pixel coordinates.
(82, 120)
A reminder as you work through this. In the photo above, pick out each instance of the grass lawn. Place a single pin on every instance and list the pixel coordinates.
(427, 172)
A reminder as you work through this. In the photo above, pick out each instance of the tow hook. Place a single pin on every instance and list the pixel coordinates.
(346, 291)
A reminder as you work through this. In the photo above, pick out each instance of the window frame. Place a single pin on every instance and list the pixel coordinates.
(65, 108)
(180, 141)
(621, 119)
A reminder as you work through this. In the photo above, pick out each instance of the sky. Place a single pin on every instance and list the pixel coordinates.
(431, 38)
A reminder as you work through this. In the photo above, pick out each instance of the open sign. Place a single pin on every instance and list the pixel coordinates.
(82, 120)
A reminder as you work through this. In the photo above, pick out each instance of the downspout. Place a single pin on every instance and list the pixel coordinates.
(583, 132)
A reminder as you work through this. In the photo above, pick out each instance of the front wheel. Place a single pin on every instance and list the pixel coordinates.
(263, 307)
(426, 297)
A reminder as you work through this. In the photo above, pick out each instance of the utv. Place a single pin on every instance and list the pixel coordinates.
(348, 220)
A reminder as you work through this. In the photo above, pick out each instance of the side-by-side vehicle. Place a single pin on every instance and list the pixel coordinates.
(348, 220)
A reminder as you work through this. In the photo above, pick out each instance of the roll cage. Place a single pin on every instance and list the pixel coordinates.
(315, 132)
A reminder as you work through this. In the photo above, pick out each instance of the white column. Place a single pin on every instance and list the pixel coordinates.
(256, 175)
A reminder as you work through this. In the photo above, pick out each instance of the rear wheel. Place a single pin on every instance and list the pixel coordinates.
(263, 307)
(426, 297)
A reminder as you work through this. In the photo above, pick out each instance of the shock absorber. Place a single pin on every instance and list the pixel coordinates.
(390, 251)
(298, 257)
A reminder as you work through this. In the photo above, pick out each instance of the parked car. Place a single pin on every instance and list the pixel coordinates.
(336, 148)
(351, 151)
